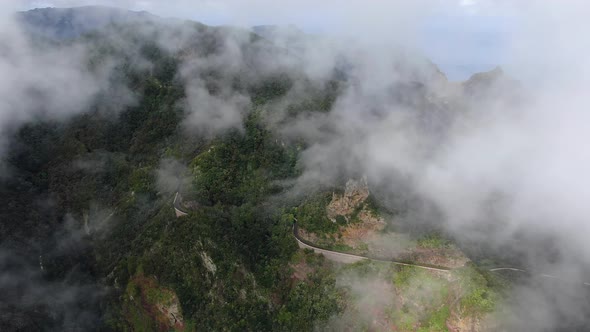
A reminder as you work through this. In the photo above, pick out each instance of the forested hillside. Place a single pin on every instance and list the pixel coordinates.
(112, 115)
(88, 201)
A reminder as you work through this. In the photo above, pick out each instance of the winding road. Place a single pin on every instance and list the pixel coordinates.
(346, 258)
(177, 207)
(350, 258)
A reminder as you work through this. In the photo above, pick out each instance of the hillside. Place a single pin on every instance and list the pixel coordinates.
(253, 138)
(64, 23)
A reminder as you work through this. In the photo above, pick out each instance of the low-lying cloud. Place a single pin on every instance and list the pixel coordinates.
(508, 173)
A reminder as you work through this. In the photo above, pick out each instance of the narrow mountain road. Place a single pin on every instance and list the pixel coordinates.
(177, 207)
(346, 258)
(506, 269)
(544, 275)
(350, 258)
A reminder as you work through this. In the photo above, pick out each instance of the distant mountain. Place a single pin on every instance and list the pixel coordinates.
(484, 80)
(286, 36)
(63, 23)
(492, 85)
(271, 31)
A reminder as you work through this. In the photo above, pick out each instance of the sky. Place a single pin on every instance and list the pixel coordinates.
(460, 36)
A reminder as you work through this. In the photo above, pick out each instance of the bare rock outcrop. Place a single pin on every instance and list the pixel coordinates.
(355, 194)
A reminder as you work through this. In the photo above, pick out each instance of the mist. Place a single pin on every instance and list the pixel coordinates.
(486, 167)
(504, 167)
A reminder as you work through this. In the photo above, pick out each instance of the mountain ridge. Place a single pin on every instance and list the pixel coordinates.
(71, 22)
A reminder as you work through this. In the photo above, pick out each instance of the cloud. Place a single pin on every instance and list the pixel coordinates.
(213, 105)
(44, 81)
(512, 174)
(171, 175)
(328, 14)
(509, 172)
(35, 298)
(470, 38)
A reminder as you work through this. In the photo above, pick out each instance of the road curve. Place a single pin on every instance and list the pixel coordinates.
(177, 207)
(350, 258)
(506, 269)
(332, 255)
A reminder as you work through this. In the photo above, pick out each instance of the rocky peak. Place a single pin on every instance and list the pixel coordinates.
(481, 82)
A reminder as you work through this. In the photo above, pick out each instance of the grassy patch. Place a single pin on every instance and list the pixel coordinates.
(406, 321)
(362, 247)
(437, 320)
(434, 241)
(403, 274)
(136, 317)
(480, 300)
(367, 268)
(425, 300)
(479, 297)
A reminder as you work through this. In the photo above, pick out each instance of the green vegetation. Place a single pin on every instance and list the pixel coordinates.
(370, 204)
(437, 320)
(232, 263)
(480, 295)
(341, 220)
(341, 247)
(227, 263)
(321, 100)
(410, 298)
(404, 274)
(311, 215)
(141, 293)
(354, 216)
(310, 303)
(434, 241)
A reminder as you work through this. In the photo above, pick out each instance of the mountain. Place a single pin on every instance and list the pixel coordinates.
(71, 22)
(175, 191)
(274, 31)
(89, 239)
(493, 85)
